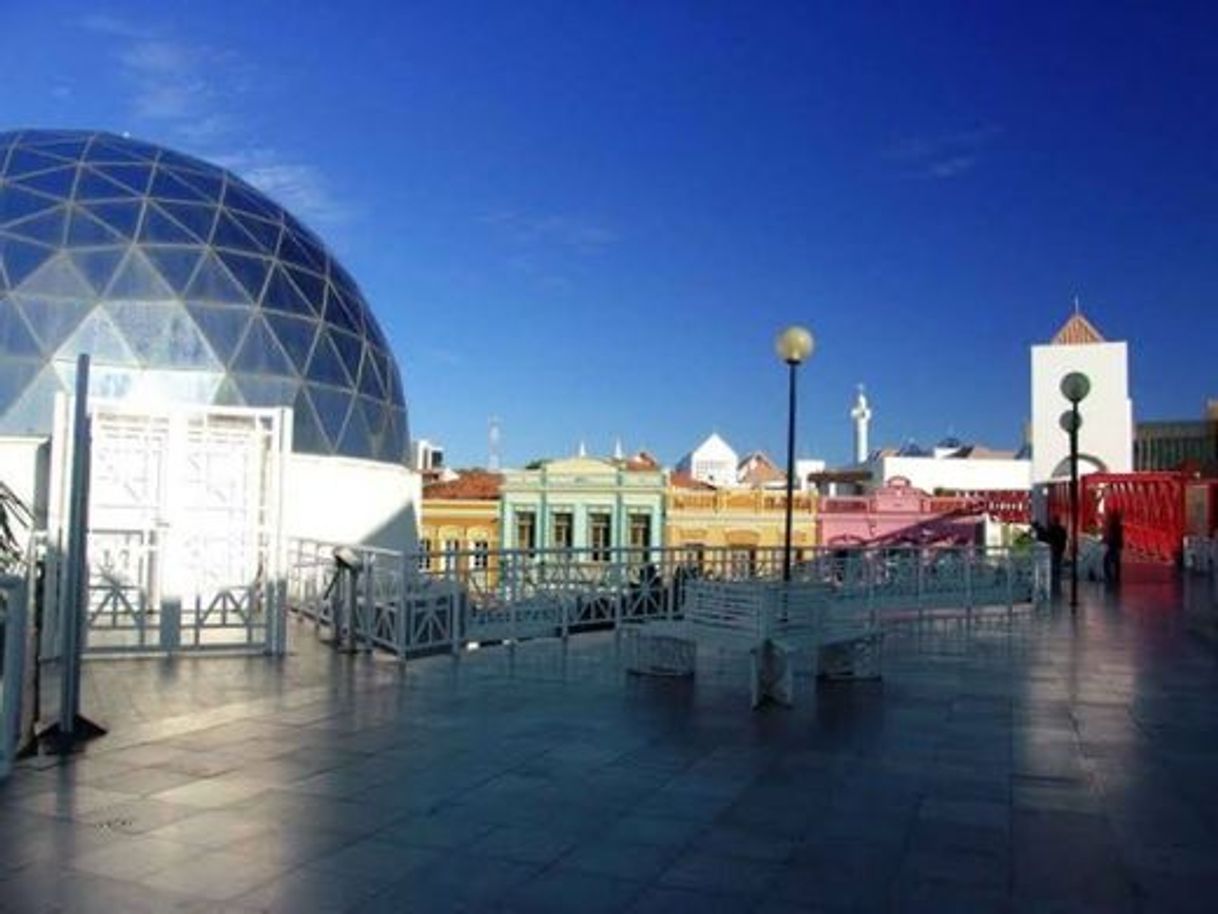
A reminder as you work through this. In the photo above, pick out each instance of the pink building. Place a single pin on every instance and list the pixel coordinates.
(899, 514)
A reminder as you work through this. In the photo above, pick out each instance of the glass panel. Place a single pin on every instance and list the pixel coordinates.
(161, 335)
(92, 185)
(17, 203)
(138, 280)
(296, 336)
(97, 266)
(132, 176)
(57, 182)
(369, 383)
(176, 265)
(350, 349)
(83, 229)
(52, 321)
(213, 283)
(230, 235)
(281, 295)
(69, 149)
(306, 432)
(238, 197)
(47, 228)
(178, 161)
(332, 407)
(373, 330)
(57, 279)
(101, 151)
(227, 394)
(160, 229)
(338, 313)
(375, 415)
(172, 386)
(259, 353)
(15, 375)
(166, 186)
(355, 440)
(291, 250)
(223, 327)
(122, 217)
(250, 271)
(31, 412)
(198, 218)
(326, 366)
(265, 233)
(263, 391)
(15, 336)
(312, 286)
(21, 258)
(98, 336)
(209, 185)
(24, 160)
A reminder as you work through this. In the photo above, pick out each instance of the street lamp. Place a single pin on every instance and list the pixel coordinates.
(1074, 387)
(793, 346)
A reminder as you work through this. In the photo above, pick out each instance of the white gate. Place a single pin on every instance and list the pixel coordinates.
(184, 549)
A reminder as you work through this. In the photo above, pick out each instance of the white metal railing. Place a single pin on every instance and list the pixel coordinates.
(420, 603)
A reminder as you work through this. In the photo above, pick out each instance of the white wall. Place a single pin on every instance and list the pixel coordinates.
(341, 499)
(963, 474)
(1107, 432)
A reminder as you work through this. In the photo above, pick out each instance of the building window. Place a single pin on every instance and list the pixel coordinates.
(481, 555)
(526, 530)
(451, 549)
(640, 536)
(424, 555)
(564, 530)
(599, 535)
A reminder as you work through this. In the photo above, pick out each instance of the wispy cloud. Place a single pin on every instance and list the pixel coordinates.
(301, 188)
(187, 89)
(943, 156)
(525, 229)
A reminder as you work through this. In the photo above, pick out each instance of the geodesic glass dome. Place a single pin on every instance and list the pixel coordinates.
(184, 284)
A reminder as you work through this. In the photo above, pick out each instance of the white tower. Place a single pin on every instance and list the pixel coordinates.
(861, 414)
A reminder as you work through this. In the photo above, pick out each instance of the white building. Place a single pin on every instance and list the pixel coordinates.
(713, 462)
(1105, 441)
(951, 466)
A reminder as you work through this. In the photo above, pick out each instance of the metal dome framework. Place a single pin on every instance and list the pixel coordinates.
(184, 284)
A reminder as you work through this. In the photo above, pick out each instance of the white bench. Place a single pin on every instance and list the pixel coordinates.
(768, 620)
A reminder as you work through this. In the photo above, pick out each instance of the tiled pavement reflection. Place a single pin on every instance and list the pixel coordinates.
(1050, 765)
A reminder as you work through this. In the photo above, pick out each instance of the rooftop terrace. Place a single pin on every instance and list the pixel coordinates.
(1045, 764)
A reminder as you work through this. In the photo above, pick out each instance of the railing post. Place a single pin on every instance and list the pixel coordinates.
(171, 624)
(16, 608)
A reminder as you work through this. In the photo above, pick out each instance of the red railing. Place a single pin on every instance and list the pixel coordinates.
(1152, 509)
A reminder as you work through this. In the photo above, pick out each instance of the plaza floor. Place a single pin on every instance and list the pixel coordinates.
(1047, 763)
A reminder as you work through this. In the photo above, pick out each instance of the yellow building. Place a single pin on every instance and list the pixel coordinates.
(750, 524)
(460, 524)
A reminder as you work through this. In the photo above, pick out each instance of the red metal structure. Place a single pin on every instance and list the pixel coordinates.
(1152, 507)
(1011, 506)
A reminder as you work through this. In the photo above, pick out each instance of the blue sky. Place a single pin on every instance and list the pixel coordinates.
(589, 220)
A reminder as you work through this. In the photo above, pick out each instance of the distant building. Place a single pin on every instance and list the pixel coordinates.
(584, 503)
(1183, 444)
(758, 471)
(748, 522)
(950, 466)
(713, 461)
(1105, 441)
(461, 515)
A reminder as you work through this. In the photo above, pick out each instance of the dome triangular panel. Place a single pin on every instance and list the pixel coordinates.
(332, 405)
(94, 185)
(197, 217)
(17, 203)
(57, 278)
(52, 321)
(97, 265)
(98, 336)
(45, 228)
(167, 186)
(295, 334)
(21, 258)
(158, 228)
(175, 264)
(84, 229)
(222, 327)
(136, 279)
(16, 338)
(123, 216)
(213, 283)
(260, 353)
(57, 181)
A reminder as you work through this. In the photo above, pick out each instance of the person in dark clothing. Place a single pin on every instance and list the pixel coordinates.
(1114, 542)
(1055, 537)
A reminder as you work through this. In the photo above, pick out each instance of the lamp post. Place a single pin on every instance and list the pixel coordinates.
(793, 346)
(1074, 387)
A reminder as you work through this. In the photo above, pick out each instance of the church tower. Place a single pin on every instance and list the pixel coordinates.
(1105, 441)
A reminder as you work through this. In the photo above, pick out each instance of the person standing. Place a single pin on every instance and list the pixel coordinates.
(1114, 542)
